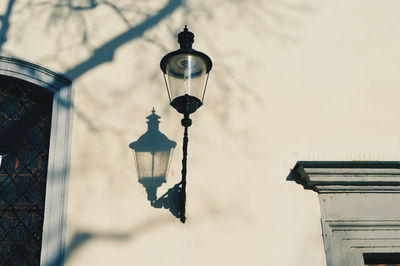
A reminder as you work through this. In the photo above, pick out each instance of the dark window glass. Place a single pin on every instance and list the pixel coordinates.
(25, 121)
(382, 259)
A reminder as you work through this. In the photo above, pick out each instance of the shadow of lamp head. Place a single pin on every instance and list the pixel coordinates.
(152, 153)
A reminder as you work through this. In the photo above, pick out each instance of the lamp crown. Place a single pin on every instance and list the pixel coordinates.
(186, 38)
(153, 140)
(152, 123)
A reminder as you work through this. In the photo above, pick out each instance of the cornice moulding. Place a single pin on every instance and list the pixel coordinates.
(348, 177)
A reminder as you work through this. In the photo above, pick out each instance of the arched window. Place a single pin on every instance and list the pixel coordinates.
(35, 124)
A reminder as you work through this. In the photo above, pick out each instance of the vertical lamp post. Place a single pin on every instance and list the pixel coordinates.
(186, 73)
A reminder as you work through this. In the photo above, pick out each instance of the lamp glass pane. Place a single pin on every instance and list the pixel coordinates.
(152, 164)
(186, 74)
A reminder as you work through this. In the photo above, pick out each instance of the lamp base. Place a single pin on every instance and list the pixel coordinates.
(186, 104)
(151, 184)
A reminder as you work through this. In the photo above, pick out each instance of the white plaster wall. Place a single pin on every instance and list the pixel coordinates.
(292, 80)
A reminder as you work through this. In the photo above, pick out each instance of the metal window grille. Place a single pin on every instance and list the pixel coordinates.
(25, 121)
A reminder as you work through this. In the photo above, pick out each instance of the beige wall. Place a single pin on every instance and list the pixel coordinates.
(292, 80)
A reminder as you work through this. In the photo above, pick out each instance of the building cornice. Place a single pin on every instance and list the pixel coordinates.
(348, 176)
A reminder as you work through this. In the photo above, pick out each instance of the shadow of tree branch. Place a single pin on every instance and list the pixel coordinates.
(105, 53)
(81, 238)
(5, 23)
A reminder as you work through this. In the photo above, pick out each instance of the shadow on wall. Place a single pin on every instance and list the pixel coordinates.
(274, 17)
(152, 153)
(103, 53)
(81, 238)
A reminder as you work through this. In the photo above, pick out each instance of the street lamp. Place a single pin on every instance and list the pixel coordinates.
(152, 153)
(186, 73)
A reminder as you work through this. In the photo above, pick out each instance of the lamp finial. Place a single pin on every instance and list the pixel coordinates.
(186, 38)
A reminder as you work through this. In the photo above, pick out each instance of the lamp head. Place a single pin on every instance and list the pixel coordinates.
(186, 73)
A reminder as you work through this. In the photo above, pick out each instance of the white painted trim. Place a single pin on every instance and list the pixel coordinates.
(350, 177)
(53, 238)
(359, 207)
(347, 240)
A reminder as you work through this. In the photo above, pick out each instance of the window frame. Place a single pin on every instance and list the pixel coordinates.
(54, 224)
(346, 241)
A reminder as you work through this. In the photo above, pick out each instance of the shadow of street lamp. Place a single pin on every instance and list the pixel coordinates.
(152, 153)
(186, 74)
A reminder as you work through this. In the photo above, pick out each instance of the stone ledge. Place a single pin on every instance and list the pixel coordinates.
(348, 176)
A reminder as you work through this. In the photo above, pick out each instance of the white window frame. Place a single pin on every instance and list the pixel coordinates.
(54, 225)
(359, 204)
(347, 240)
